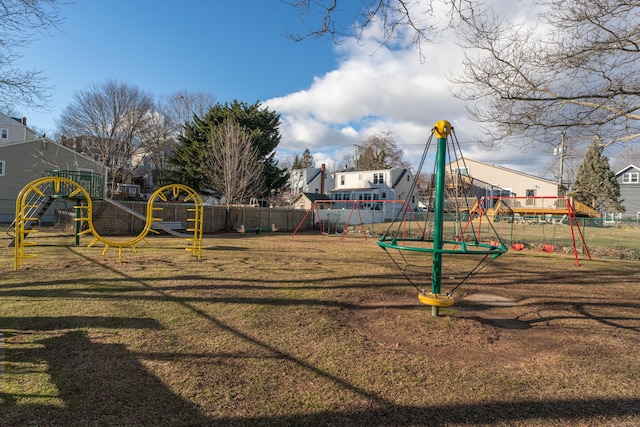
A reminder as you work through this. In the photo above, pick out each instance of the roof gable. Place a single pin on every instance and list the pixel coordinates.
(510, 171)
(45, 140)
(316, 196)
(627, 169)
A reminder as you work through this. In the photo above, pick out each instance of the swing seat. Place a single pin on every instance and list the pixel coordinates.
(437, 300)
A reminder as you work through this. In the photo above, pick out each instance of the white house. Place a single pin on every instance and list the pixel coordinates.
(372, 186)
(310, 180)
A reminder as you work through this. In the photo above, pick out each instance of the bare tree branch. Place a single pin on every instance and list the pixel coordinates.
(182, 106)
(576, 72)
(21, 22)
(234, 163)
(419, 20)
(112, 118)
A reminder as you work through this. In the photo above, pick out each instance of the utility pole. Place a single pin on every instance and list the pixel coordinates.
(560, 151)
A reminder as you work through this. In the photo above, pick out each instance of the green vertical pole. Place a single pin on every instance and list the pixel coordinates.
(441, 130)
(77, 226)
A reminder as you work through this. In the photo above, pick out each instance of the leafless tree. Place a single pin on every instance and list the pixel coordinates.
(628, 156)
(20, 22)
(576, 73)
(422, 21)
(234, 167)
(156, 143)
(111, 117)
(380, 151)
(180, 108)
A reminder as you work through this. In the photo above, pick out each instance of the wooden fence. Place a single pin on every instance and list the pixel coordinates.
(109, 219)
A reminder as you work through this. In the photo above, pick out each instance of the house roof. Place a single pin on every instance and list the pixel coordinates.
(627, 168)
(311, 197)
(316, 196)
(50, 141)
(344, 189)
(511, 171)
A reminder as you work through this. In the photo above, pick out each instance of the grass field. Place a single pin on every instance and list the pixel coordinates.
(278, 330)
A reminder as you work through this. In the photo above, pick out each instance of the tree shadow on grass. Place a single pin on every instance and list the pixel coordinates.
(55, 323)
(100, 384)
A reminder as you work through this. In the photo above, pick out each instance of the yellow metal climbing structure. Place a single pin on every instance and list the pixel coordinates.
(40, 189)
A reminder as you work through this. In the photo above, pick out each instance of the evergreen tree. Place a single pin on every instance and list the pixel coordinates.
(189, 157)
(261, 124)
(596, 184)
(306, 161)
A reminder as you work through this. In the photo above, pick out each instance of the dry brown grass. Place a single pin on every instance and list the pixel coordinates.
(311, 330)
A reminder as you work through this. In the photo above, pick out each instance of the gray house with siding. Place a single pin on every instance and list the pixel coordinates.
(629, 181)
(14, 129)
(23, 161)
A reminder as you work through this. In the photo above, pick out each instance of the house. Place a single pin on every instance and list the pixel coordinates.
(491, 180)
(310, 180)
(371, 187)
(23, 161)
(629, 182)
(14, 130)
(305, 201)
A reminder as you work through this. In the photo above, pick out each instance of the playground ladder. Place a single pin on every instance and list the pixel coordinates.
(31, 213)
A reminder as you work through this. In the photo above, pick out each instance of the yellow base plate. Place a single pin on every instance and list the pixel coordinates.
(435, 300)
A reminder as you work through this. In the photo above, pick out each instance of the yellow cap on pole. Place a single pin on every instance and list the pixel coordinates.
(442, 129)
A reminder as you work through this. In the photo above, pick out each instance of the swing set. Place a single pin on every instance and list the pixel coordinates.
(338, 217)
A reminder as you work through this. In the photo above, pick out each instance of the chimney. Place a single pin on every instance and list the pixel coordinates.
(24, 121)
(322, 179)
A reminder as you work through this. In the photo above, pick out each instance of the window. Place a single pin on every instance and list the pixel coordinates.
(2, 162)
(378, 178)
(631, 178)
(4, 133)
(365, 199)
(341, 179)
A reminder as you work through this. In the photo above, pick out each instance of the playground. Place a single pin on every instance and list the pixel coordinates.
(270, 329)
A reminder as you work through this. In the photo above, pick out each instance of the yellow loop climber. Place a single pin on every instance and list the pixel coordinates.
(34, 193)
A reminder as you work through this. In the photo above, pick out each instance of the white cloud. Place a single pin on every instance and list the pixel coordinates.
(376, 89)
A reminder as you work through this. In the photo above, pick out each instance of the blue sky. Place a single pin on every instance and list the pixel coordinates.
(231, 49)
(330, 97)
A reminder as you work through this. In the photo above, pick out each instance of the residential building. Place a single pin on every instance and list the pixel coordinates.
(492, 180)
(310, 180)
(24, 160)
(14, 130)
(629, 181)
(306, 201)
(373, 186)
